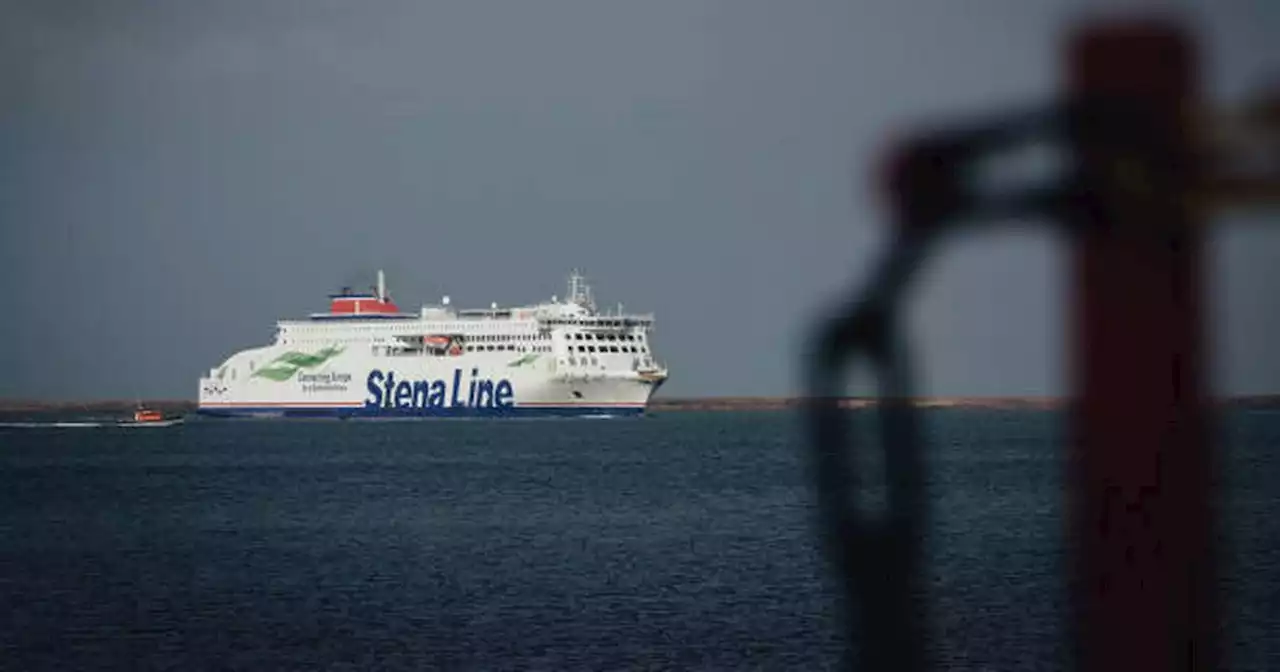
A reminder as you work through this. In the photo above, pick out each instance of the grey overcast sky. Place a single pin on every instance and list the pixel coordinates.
(175, 176)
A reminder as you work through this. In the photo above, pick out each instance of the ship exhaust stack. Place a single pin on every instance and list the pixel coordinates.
(382, 286)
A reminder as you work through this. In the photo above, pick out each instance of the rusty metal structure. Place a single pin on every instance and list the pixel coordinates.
(1146, 163)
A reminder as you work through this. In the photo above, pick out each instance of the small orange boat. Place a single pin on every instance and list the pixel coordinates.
(146, 417)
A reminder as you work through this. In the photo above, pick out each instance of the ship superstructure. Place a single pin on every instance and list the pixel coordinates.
(365, 357)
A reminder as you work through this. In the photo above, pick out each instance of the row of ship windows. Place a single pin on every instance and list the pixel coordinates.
(505, 347)
(508, 347)
(606, 337)
(480, 337)
(365, 339)
(599, 323)
(510, 337)
(505, 340)
(396, 328)
(578, 336)
(584, 360)
(608, 348)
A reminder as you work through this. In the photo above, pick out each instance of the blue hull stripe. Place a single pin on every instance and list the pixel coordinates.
(425, 413)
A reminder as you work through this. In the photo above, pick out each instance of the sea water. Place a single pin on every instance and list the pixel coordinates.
(683, 540)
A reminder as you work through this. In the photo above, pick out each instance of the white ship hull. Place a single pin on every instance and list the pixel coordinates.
(548, 360)
(470, 385)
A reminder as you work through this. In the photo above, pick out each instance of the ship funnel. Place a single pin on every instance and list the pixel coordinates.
(382, 286)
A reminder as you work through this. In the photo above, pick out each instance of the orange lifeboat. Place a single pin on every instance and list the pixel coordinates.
(147, 415)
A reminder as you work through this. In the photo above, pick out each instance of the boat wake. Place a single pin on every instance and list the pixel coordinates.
(48, 425)
(80, 425)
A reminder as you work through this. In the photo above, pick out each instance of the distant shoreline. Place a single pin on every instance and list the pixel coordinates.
(661, 404)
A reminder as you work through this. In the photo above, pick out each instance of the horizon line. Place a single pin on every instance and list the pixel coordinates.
(696, 402)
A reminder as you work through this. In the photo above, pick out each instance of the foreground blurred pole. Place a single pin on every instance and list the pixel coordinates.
(1140, 523)
(1146, 160)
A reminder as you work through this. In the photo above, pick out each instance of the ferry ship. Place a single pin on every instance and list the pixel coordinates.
(365, 358)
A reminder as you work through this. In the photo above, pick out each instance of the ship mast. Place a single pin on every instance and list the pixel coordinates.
(579, 291)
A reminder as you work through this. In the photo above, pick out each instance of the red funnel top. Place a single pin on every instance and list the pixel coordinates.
(361, 304)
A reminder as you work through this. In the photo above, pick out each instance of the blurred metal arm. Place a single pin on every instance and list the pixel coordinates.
(876, 556)
(1129, 202)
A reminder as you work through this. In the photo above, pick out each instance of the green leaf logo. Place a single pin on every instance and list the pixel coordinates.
(527, 359)
(276, 373)
(283, 367)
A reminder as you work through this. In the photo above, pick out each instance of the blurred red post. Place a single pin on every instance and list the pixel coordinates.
(1140, 523)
